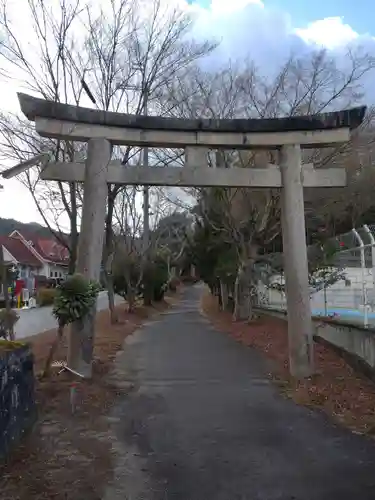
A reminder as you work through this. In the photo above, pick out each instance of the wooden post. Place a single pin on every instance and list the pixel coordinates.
(300, 329)
(90, 248)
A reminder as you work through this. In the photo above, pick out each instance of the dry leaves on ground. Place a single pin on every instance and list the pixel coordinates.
(337, 389)
(68, 455)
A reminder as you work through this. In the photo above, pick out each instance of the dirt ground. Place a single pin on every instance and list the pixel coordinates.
(336, 388)
(68, 454)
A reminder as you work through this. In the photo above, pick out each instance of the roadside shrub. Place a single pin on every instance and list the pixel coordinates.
(45, 296)
(7, 321)
(126, 273)
(74, 298)
(155, 279)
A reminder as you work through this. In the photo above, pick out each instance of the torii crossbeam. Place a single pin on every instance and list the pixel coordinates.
(102, 129)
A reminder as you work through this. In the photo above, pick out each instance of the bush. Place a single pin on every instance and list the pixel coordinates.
(74, 299)
(155, 279)
(126, 268)
(7, 321)
(45, 296)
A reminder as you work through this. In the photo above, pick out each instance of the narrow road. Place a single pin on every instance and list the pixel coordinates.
(38, 320)
(203, 422)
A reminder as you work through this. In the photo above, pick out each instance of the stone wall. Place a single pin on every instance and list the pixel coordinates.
(17, 398)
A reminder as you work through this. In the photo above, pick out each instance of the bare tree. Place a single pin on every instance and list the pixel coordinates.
(250, 219)
(43, 66)
(119, 55)
(154, 52)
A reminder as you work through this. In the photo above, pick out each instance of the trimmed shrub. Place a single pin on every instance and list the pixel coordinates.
(155, 279)
(126, 271)
(74, 298)
(45, 296)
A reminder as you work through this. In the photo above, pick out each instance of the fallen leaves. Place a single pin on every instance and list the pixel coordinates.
(337, 389)
(68, 455)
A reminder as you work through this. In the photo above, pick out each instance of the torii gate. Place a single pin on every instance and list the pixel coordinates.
(101, 130)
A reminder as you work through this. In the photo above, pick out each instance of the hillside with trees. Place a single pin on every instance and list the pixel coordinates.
(9, 225)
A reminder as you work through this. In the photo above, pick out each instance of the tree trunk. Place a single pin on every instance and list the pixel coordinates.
(73, 247)
(147, 298)
(54, 346)
(130, 297)
(245, 290)
(108, 257)
(224, 295)
(111, 299)
(108, 281)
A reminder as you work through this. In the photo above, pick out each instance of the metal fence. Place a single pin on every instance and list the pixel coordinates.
(350, 294)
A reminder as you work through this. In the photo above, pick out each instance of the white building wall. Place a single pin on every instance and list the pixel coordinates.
(8, 257)
(56, 271)
(342, 294)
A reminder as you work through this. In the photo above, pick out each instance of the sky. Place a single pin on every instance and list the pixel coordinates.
(265, 30)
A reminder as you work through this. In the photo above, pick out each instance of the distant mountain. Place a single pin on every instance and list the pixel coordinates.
(9, 225)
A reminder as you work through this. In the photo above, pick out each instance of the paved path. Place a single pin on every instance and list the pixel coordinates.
(33, 321)
(204, 423)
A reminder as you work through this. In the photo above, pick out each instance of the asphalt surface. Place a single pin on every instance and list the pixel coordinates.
(40, 319)
(203, 422)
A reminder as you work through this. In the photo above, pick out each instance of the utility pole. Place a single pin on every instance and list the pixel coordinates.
(146, 198)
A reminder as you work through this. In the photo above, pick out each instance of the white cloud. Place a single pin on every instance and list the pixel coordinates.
(250, 19)
(330, 32)
(225, 6)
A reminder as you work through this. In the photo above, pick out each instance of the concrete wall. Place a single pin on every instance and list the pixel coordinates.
(356, 341)
(353, 339)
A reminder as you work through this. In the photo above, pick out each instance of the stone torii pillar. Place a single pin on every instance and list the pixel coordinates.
(90, 247)
(289, 135)
(300, 326)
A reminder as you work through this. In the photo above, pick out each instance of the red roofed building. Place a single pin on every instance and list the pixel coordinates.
(17, 253)
(36, 256)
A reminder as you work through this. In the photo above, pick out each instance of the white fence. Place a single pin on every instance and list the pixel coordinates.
(351, 298)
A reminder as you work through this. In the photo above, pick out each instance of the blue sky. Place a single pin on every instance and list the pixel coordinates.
(331, 23)
(306, 11)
